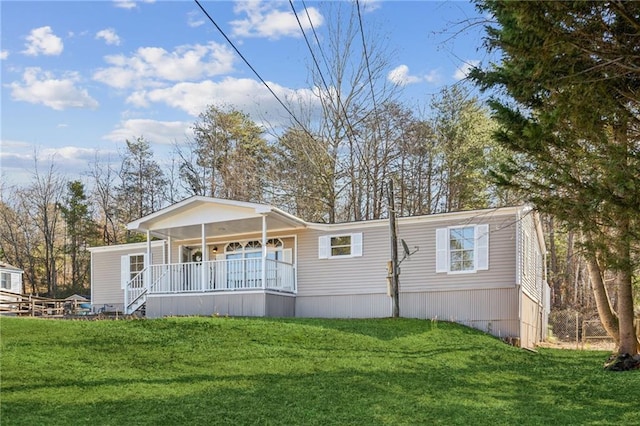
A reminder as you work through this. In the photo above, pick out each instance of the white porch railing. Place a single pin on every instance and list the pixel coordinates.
(214, 275)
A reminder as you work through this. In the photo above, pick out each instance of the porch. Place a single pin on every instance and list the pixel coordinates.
(212, 246)
(221, 276)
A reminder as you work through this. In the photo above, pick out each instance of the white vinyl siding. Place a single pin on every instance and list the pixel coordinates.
(107, 272)
(461, 249)
(344, 245)
(367, 274)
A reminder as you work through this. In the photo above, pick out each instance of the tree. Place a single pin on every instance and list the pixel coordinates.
(302, 167)
(81, 232)
(104, 199)
(43, 198)
(463, 130)
(227, 158)
(348, 75)
(142, 182)
(19, 237)
(570, 117)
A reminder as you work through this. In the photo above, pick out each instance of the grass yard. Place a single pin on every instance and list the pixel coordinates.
(238, 371)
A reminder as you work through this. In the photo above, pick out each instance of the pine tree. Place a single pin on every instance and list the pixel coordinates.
(569, 85)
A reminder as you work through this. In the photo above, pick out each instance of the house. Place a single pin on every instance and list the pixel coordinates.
(10, 282)
(205, 256)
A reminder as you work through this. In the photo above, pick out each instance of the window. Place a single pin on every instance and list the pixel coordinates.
(5, 280)
(136, 264)
(244, 264)
(346, 245)
(462, 249)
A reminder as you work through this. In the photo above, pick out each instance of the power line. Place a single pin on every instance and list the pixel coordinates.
(366, 58)
(324, 82)
(340, 106)
(254, 70)
(302, 126)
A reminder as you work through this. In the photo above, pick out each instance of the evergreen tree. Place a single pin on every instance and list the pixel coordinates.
(81, 232)
(142, 182)
(570, 118)
(228, 157)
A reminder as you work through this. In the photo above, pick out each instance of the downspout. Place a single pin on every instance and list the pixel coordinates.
(203, 247)
(264, 251)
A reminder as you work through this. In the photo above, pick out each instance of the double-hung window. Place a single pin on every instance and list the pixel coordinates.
(5, 280)
(344, 245)
(461, 249)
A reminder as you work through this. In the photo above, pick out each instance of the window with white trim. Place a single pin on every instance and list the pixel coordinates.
(136, 264)
(461, 249)
(342, 245)
(5, 280)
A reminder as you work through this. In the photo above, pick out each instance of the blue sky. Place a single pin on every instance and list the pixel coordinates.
(80, 77)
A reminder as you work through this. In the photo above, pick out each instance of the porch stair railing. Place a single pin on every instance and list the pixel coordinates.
(136, 289)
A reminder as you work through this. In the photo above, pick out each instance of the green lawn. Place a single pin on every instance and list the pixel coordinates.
(237, 371)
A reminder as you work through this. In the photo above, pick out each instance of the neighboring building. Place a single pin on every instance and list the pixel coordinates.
(10, 282)
(204, 256)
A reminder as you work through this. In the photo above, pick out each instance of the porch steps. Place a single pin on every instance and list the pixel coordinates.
(138, 305)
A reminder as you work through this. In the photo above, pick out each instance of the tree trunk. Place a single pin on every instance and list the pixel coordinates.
(628, 343)
(607, 316)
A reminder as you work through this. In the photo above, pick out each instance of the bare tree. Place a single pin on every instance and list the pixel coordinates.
(104, 181)
(43, 200)
(349, 78)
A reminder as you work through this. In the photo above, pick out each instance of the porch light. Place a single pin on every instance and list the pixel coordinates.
(215, 249)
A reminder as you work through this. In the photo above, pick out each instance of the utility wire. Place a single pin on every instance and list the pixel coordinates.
(366, 58)
(340, 106)
(302, 126)
(254, 70)
(373, 95)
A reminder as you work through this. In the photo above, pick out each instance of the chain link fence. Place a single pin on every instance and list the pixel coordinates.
(579, 330)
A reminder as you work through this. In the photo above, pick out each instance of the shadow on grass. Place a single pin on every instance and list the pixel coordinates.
(337, 397)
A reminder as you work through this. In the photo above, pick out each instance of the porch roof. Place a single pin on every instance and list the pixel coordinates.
(220, 217)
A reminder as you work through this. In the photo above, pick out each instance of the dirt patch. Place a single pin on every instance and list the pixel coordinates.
(590, 345)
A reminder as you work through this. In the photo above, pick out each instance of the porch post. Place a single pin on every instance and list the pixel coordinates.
(203, 247)
(264, 251)
(147, 278)
(168, 259)
(149, 260)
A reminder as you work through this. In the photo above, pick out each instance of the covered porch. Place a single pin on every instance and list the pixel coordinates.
(212, 246)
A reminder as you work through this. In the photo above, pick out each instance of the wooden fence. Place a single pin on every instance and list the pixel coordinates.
(33, 306)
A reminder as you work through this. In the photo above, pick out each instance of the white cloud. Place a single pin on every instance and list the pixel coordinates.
(161, 132)
(4, 54)
(109, 36)
(400, 76)
(463, 71)
(130, 4)
(195, 19)
(370, 5)
(40, 87)
(18, 159)
(149, 65)
(432, 77)
(43, 41)
(264, 20)
(245, 94)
